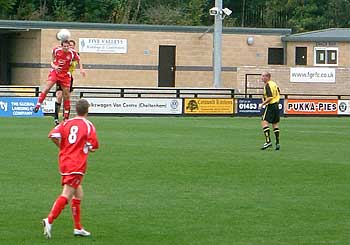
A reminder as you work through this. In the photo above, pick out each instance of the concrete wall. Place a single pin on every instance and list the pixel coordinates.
(25, 49)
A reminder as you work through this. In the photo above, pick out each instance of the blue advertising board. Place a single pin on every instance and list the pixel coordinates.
(18, 107)
(250, 107)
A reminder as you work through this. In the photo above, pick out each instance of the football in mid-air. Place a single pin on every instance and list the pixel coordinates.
(63, 34)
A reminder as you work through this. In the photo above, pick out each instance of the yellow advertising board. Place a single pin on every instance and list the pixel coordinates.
(206, 106)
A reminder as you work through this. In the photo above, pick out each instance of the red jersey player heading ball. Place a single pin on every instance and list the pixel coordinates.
(62, 58)
(75, 138)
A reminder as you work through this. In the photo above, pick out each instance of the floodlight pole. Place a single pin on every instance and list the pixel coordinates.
(217, 45)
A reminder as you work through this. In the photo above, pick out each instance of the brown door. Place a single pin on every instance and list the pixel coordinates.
(166, 66)
(301, 55)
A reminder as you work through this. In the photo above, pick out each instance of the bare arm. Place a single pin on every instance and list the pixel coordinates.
(56, 141)
(55, 67)
(265, 102)
(90, 147)
(269, 97)
(82, 72)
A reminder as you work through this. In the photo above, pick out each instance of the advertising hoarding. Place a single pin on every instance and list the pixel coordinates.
(312, 75)
(135, 106)
(18, 107)
(311, 107)
(343, 107)
(250, 107)
(103, 45)
(208, 106)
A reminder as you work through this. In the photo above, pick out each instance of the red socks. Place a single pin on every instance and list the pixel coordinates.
(75, 206)
(42, 97)
(66, 106)
(59, 205)
(57, 208)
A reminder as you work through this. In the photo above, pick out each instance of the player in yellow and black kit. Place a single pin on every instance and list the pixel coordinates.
(271, 114)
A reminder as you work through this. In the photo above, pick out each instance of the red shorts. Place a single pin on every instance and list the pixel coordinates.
(63, 79)
(73, 180)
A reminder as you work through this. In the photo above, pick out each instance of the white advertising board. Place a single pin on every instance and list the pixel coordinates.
(135, 106)
(103, 45)
(343, 107)
(48, 106)
(312, 75)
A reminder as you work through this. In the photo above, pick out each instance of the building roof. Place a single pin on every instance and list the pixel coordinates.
(18, 25)
(326, 35)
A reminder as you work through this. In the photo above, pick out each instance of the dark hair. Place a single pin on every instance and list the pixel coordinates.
(72, 41)
(82, 107)
(64, 41)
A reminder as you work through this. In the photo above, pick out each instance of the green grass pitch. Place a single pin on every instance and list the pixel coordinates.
(183, 180)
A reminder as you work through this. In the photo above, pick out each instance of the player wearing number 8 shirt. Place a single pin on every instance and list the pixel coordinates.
(75, 138)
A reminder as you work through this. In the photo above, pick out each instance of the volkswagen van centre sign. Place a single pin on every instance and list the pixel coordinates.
(135, 106)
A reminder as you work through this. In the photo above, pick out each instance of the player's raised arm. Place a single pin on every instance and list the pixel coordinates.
(82, 71)
(53, 66)
(78, 60)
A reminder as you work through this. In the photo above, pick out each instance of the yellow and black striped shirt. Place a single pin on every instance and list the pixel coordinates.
(72, 66)
(272, 90)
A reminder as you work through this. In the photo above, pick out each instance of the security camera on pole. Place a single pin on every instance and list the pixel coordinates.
(219, 14)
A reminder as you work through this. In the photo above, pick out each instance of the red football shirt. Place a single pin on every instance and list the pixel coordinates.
(77, 135)
(64, 59)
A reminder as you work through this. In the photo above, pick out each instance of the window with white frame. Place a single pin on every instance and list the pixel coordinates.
(324, 56)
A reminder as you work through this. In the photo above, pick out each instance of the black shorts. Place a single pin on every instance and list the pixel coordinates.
(58, 87)
(271, 113)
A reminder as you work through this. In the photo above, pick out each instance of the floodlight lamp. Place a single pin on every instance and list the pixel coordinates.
(227, 11)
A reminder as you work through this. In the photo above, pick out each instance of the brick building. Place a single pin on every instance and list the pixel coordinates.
(176, 56)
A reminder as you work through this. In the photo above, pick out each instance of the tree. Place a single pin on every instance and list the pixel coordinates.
(63, 11)
(338, 12)
(196, 11)
(307, 16)
(25, 10)
(6, 6)
(300, 15)
(164, 15)
(192, 12)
